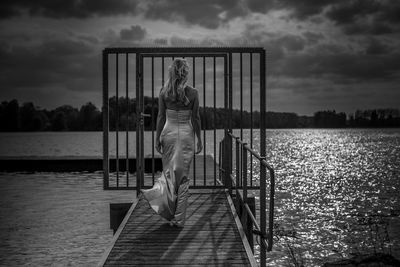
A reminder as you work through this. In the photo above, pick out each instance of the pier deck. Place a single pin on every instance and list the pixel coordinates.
(212, 236)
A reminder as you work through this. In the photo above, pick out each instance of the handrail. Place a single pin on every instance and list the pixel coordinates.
(239, 181)
(252, 151)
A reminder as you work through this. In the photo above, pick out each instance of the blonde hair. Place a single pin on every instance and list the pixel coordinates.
(174, 87)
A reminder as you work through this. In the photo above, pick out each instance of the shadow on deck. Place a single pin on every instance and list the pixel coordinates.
(211, 236)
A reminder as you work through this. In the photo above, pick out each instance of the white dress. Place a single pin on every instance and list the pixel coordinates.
(169, 195)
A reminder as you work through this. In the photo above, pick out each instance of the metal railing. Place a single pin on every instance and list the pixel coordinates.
(237, 186)
(126, 70)
(233, 70)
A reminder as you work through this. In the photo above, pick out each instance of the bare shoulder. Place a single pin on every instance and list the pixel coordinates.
(191, 92)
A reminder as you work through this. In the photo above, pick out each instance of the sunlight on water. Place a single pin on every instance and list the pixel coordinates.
(335, 190)
(337, 194)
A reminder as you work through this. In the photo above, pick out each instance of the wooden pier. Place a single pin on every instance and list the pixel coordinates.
(217, 232)
(212, 236)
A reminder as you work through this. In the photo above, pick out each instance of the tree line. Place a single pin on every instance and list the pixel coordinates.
(28, 117)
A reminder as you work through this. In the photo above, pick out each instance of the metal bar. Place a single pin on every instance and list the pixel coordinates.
(271, 209)
(116, 119)
(127, 119)
(214, 126)
(227, 149)
(219, 159)
(106, 161)
(197, 186)
(141, 100)
(237, 161)
(137, 128)
(152, 120)
(192, 187)
(194, 86)
(182, 50)
(244, 172)
(204, 119)
(229, 167)
(162, 71)
(241, 96)
(262, 152)
(230, 93)
(251, 117)
(256, 225)
(183, 54)
(252, 151)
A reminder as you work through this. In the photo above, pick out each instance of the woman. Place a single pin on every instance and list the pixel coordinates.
(178, 122)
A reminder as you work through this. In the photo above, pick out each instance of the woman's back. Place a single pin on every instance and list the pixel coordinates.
(174, 104)
(178, 106)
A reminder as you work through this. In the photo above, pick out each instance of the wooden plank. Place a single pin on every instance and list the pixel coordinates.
(241, 231)
(210, 236)
(116, 235)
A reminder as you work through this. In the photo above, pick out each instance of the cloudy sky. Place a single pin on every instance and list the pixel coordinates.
(341, 54)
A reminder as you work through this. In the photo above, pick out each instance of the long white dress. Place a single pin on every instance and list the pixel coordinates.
(169, 195)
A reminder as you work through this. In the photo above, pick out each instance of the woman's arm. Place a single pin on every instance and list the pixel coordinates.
(160, 119)
(196, 121)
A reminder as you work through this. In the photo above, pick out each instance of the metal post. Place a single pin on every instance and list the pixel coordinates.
(141, 99)
(194, 85)
(106, 162)
(220, 164)
(262, 152)
(127, 119)
(204, 121)
(237, 144)
(227, 139)
(244, 171)
(251, 118)
(252, 205)
(214, 125)
(245, 217)
(241, 97)
(271, 210)
(152, 120)
(230, 124)
(116, 119)
(137, 128)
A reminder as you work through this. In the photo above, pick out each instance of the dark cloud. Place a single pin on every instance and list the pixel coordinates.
(207, 13)
(349, 11)
(366, 16)
(376, 47)
(134, 33)
(260, 6)
(67, 9)
(312, 37)
(276, 44)
(342, 67)
(363, 27)
(291, 42)
(179, 41)
(54, 62)
(305, 8)
(299, 9)
(211, 14)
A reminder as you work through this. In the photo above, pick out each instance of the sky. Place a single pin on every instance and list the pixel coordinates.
(338, 55)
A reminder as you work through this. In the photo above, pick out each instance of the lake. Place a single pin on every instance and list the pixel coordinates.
(337, 194)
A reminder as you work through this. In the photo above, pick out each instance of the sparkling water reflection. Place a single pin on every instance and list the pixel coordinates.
(337, 193)
(334, 190)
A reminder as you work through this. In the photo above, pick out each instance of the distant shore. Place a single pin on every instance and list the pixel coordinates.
(29, 118)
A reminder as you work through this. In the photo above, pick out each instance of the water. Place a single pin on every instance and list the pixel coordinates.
(332, 188)
(55, 219)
